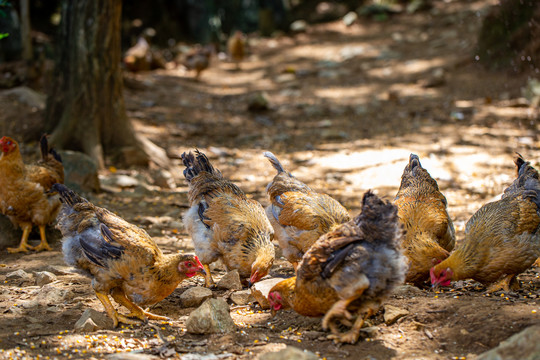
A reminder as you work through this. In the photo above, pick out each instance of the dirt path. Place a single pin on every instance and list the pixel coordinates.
(347, 107)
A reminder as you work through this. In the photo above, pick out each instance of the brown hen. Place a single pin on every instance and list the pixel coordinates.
(197, 59)
(236, 46)
(348, 272)
(224, 224)
(298, 214)
(121, 259)
(502, 239)
(24, 190)
(430, 234)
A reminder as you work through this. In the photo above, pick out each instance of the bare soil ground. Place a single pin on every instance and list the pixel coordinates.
(347, 107)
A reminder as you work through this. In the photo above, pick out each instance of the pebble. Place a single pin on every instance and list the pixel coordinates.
(230, 281)
(213, 316)
(44, 278)
(195, 296)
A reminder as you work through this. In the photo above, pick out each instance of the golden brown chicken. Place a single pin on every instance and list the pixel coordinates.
(348, 272)
(502, 239)
(236, 46)
(430, 234)
(24, 190)
(298, 214)
(197, 59)
(121, 259)
(224, 224)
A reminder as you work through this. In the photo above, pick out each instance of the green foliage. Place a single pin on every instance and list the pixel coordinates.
(4, 4)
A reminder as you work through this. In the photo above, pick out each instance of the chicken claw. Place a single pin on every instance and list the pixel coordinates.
(338, 310)
(43, 245)
(506, 284)
(23, 246)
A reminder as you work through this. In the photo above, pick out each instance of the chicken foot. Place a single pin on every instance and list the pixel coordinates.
(43, 245)
(353, 334)
(506, 284)
(23, 246)
(135, 310)
(113, 314)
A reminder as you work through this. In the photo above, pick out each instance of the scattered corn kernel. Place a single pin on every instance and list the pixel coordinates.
(533, 311)
(59, 336)
(299, 340)
(436, 296)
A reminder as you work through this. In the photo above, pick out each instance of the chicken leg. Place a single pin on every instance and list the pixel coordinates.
(43, 245)
(113, 314)
(208, 281)
(352, 335)
(506, 284)
(135, 310)
(23, 246)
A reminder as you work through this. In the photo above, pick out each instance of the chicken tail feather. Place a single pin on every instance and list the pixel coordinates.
(196, 163)
(67, 196)
(274, 161)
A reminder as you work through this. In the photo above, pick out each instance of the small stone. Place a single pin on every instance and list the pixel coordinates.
(243, 297)
(213, 316)
(51, 295)
(298, 26)
(195, 296)
(392, 314)
(289, 353)
(350, 18)
(258, 101)
(92, 320)
(163, 179)
(230, 281)
(131, 356)
(19, 274)
(58, 270)
(44, 278)
(407, 290)
(261, 289)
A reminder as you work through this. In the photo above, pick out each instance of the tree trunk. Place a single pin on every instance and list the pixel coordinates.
(26, 38)
(85, 106)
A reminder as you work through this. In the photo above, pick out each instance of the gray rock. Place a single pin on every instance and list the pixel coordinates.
(51, 295)
(120, 180)
(350, 18)
(44, 277)
(258, 101)
(230, 281)
(164, 179)
(92, 320)
(407, 290)
(211, 317)
(289, 353)
(28, 97)
(261, 289)
(243, 297)
(298, 26)
(58, 270)
(9, 235)
(392, 314)
(524, 345)
(81, 172)
(18, 274)
(195, 296)
(131, 356)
